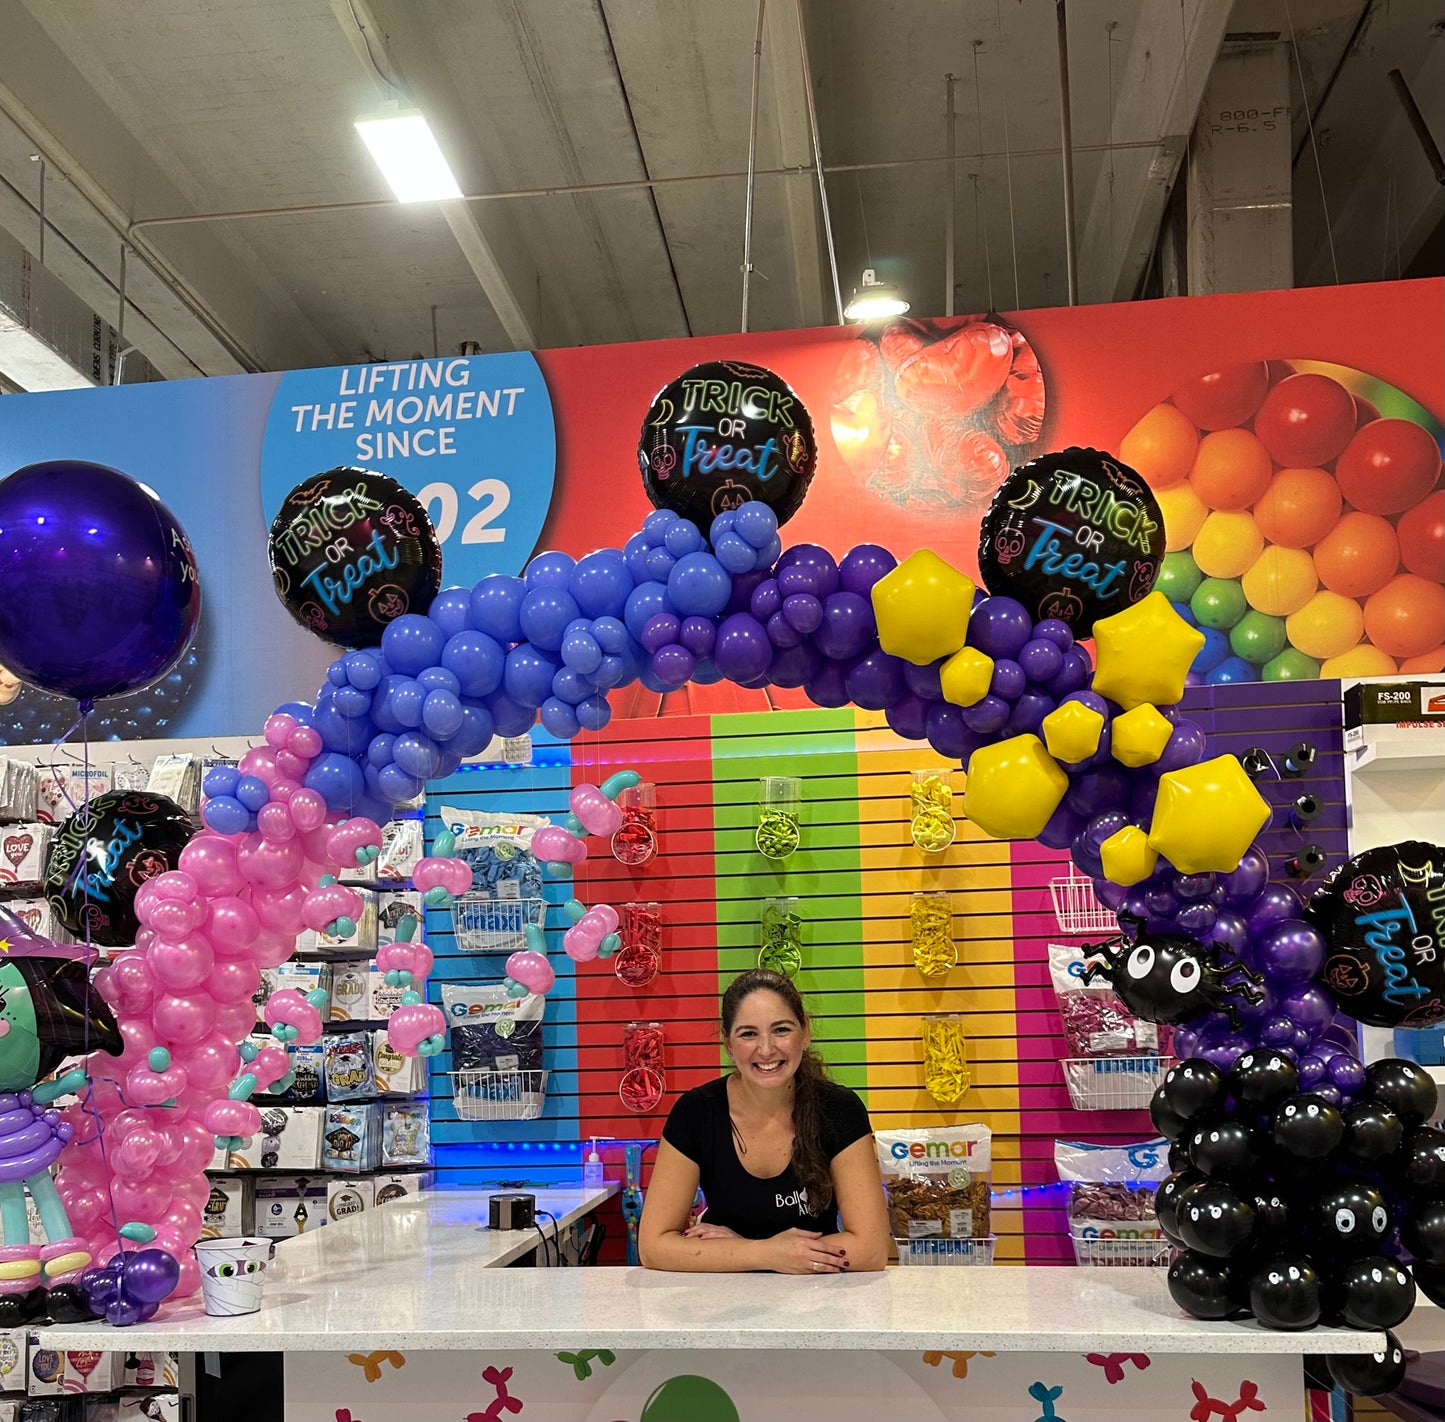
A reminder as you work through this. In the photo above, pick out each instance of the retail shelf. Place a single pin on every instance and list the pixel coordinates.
(1395, 747)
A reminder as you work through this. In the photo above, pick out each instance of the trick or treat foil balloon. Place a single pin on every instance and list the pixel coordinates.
(1382, 915)
(721, 434)
(104, 852)
(1075, 536)
(351, 551)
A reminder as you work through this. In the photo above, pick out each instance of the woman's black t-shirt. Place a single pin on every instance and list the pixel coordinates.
(699, 1126)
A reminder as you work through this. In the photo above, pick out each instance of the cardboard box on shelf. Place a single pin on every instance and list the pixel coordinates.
(53, 1372)
(346, 1198)
(1375, 703)
(290, 1139)
(230, 1209)
(396, 1075)
(288, 1205)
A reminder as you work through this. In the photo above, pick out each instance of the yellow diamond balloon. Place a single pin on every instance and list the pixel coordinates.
(1013, 787)
(966, 676)
(1144, 653)
(922, 608)
(1138, 737)
(1128, 856)
(1206, 816)
(1072, 732)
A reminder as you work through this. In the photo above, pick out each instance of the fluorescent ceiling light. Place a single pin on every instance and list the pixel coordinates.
(875, 300)
(406, 151)
(27, 361)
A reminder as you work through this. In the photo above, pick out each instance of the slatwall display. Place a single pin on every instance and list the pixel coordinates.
(852, 878)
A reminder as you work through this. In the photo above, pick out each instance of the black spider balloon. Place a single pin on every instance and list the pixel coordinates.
(1166, 977)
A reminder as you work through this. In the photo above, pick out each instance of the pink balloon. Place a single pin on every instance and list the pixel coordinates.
(271, 1064)
(412, 1024)
(183, 1217)
(195, 1155)
(173, 884)
(86, 1208)
(273, 865)
(231, 926)
(532, 970)
(142, 1199)
(453, 875)
(190, 1277)
(323, 905)
(211, 1063)
(286, 785)
(290, 1008)
(582, 941)
(291, 765)
(343, 841)
(172, 918)
(235, 980)
(274, 822)
(597, 813)
(181, 966)
(235, 1019)
(305, 741)
(151, 1088)
(308, 810)
(260, 762)
(279, 725)
(184, 1017)
(606, 916)
(413, 958)
(232, 1118)
(281, 908)
(134, 1155)
(210, 859)
(557, 845)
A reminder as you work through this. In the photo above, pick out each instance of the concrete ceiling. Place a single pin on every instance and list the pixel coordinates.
(633, 108)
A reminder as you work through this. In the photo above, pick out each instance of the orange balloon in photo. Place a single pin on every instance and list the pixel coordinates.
(1407, 616)
(1184, 514)
(1359, 555)
(1161, 447)
(1427, 662)
(1299, 507)
(1231, 469)
(1326, 625)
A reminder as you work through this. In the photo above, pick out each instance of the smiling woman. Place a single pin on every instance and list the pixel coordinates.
(784, 1156)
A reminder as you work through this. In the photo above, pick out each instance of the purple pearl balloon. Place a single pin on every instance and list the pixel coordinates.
(1253, 1013)
(1348, 1073)
(781, 632)
(908, 717)
(1311, 1006)
(875, 681)
(1196, 919)
(1091, 699)
(660, 630)
(1192, 886)
(1301, 1038)
(1085, 858)
(794, 666)
(150, 1276)
(1227, 1052)
(1062, 826)
(1186, 1043)
(1162, 903)
(744, 586)
(766, 600)
(1008, 679)
(1185, 747)
(828, 686)
(1054, 630)
(1244, 884)
(806, 568)
(1041, 659)
(1104, 825)
(1290, 952)
(1277, 1031)
(1097, 790)
(673, 665)
(946, 731)
(863, 566)
(999, 627)
(1027, 716)
(924, 681)
(803, 611)
(1073, 675)
(743, 651)
(1142, 799)
(1327, 1092)
(988, 714)
(698, 635)
(848, 626)
(1229, 929)
(1273, 904)
(1135, 903)
(1108, 893)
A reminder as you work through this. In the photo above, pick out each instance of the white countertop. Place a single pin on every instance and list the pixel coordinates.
(495, 1249)
(414, 1275)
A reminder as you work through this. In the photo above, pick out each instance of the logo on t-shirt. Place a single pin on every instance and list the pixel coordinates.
(798, 1198)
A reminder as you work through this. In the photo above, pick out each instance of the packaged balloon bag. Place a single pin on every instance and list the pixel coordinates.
(496, 1047)
(506, 893)
(1113, 1059)
(1111, 1201)
(938, 1181)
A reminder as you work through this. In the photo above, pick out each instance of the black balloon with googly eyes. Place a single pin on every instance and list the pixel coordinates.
(1170, 978)
(1307, 1128)
(1370, 1374)
(1351, 1217)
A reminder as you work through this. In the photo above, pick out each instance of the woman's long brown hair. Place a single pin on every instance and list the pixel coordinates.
(810, 1165)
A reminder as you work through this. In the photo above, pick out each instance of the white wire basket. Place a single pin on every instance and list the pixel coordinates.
(939, 1251)
(499, 1095)
(1113, 1083)
(1077, 907)
(483, 924)
(1122, 1253)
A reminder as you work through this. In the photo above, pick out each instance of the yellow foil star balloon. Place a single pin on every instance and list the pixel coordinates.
(1128, 857)
(966, 676)
(922, 608)
(1072, 731)
(1143, 653)
(1206, 816)
(1138, 737)
(1013, 787)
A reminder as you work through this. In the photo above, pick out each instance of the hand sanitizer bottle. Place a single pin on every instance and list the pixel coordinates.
(592, 1168)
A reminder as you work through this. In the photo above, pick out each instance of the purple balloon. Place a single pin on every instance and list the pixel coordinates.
(863, 566)
(1186, 1043)
(1276, 1031)
(1192, 886)
(1253, 1013)
(1041, 659)
(102, 595)
(1143, 797)
(1273, 904)
(744, 586)
(1061, 828)
(1104, 825)
(1135, 903)
(1086, 859)
(742, 651)
(1244, 884)
(1091, 699)
(150, 1276)
(1347, 1072)
(848, 626)
(1008, 679)
(1185, 747)
(924, 681)
(766, 600)
(803, 611)
(999, 627)
(875, 681)
(781, 632)
(1097, 790)
(1028, 713)
(1196, 919)
(908, 717)
(1310, 1006)
(828, 686)
(1073, 675)
(1290, 953)
(1108, 893)
(988, 714)
(947, 733)
(1227, 1052)
(1052, 629)
(806, 568)
(673, 664)
(1230, 929)
(660, 630)
(794, 666)
(1161, 902)
(698, 635)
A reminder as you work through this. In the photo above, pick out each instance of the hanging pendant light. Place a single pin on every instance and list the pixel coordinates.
(874, 300)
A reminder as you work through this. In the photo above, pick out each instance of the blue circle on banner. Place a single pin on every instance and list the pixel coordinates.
(473, 437)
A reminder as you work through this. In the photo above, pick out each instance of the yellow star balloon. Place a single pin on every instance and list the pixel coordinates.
(922, 608)
(1207, 815)
(1013, 787)
(1144, 653)
(1072, 732)
(966, 676)
(1128, 857)
(1138, 737)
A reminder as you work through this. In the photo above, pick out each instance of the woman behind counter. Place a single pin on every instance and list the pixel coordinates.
(780, 1150)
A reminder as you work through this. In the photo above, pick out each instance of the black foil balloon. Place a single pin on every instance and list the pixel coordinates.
(104, 852)
(1074, 535)
(1284, 1293)
(1373, 1132)
(351, 551)
(722, 433)
(1215, 1220)
(1307, 1128)
(1430, 1280)
(1373, 1292)
(1423, 1232)
(1370, 1374)
(1224, 1148)
(1349, 1216)
(1205, 1287)
(1166, 1200)
(1385, 960)
(1405, 1087)
(1261, 1078)
(1422, 1163)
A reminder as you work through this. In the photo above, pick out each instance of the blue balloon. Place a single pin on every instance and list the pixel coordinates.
(593, 713)
(379, 752)
(600, 583)
(397, 704)
(220, 780)
(581, 652)
(652, 681)
(299, 712)
(706, 672)
(226, 815)
(417, 754)
(733, 553)
(439, 679)
(571, 686)
(451, 610)
(348, 701)
(656, 524)
(102, 595)
(645, 601)
(509, 718)
(770, 553)
(496, 601)
(609, 673)
(550, 570)
(336, 673)
(611, 635)
(559, 718)
(397, 786)
(1186, 612)
(527, 678)
(476, 660)
(698, 585)
(682, 538)
(660, 564)
(347, 734)
(412, 643)
(756, 524)
(634, 554)
(364, 669)
(441, 714)
(252, 792)
(376, 807)
(546, 612)
(1214, 650)
(475, 732)
(1231, 671)
(337, 779)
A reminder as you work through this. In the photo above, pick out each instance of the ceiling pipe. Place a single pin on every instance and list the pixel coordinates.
(948, 217)
(1066, 124)
(1417, 122)
(752, 167)
(818, 159)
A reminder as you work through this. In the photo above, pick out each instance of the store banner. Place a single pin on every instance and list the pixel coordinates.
(1306, 555)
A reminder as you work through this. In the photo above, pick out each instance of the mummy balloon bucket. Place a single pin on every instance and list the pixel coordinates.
(232, 1273)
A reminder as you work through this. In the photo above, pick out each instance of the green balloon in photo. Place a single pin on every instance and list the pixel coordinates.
(1218, 603)
(1179, 576)
(689, 1399)
(1258, 637)
(1291, 665)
